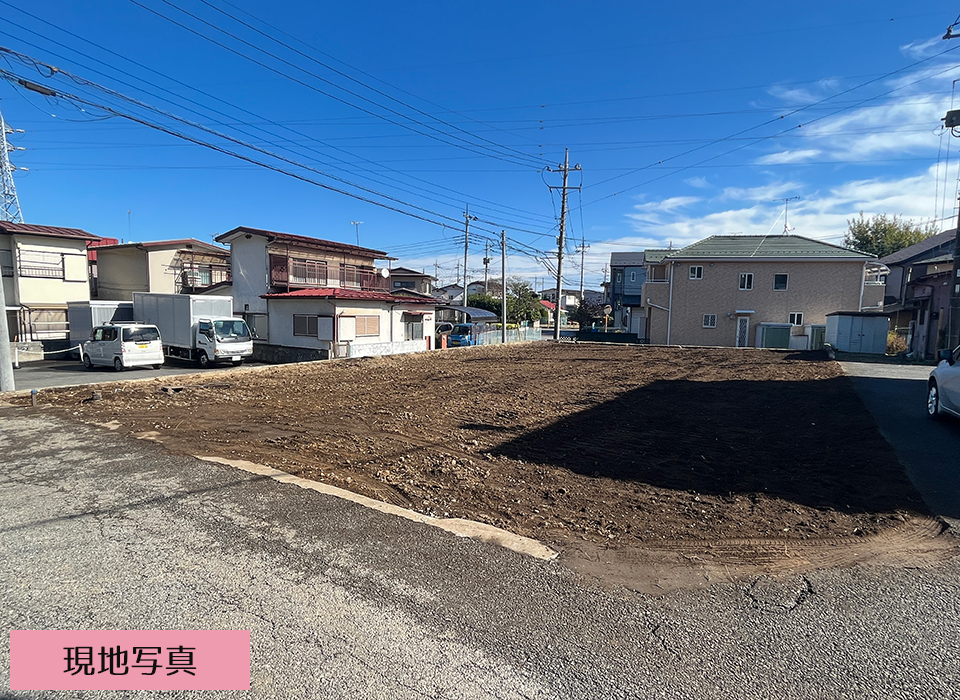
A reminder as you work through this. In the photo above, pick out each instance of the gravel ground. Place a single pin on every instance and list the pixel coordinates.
(101, 531)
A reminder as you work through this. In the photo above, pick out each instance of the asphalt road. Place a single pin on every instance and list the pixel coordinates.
(896, 396)
(47, 374)
(101, 531)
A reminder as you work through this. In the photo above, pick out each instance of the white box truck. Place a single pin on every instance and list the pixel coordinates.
(195, 327)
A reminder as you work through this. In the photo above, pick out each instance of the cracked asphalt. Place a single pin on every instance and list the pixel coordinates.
(101, 531)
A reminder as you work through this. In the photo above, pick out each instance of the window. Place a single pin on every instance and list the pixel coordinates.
(780, 282)
(404, 284)
(143, 334)
(305, 325)
(368, 325)
(633, 276)
(658, 273)
(6, 263)
(796, 318)
(619, 278)
(709, 320)
(696, 272)
(746, 280)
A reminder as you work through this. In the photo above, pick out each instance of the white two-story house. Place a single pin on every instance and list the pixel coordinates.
(309, 298)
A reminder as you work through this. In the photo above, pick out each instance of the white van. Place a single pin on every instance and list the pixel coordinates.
(123, 345)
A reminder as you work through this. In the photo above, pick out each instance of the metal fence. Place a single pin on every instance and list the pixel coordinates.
(515, 334)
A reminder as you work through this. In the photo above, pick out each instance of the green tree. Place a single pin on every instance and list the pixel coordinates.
(523, 304)
(586, 313)
(882, 235)
(487, 302)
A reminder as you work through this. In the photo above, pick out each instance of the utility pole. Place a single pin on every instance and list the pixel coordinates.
(486, 269)
(582, 249)
(952, 122)
(503, 286)
(357, 225)
(466, 249)
(565, 170)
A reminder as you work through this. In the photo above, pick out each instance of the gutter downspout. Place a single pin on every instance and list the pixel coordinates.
(863, 284)
(670, 302)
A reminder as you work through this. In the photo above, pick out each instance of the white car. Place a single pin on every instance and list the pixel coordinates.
(943, 387)
(123, 345)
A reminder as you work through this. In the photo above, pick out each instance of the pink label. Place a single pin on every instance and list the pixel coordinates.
(129, 660)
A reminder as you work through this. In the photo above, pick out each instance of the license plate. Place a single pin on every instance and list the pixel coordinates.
(143, 346)
(235, 358)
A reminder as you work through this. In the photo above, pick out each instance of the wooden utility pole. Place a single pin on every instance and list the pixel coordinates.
(564, 170)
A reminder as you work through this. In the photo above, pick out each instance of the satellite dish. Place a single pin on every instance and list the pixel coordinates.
(384, 272)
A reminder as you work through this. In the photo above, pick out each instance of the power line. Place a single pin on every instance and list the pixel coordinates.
(739, 133)
(305, 136)
(459, 143)
(365, 85)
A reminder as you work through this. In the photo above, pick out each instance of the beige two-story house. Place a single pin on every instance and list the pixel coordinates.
(185, 266)
(43, 268)
(754, 291)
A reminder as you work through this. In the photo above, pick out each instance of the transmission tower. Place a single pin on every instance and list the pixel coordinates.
(10, 210)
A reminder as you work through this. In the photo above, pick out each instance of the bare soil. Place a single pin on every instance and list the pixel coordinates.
(639, 464)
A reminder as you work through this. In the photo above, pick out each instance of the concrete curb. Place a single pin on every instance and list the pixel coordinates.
(456, 526)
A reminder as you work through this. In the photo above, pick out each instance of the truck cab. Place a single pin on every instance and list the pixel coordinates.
(222, 340)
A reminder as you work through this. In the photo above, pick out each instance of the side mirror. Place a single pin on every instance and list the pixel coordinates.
(946, 355)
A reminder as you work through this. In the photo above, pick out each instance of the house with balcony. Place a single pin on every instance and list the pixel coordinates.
(184, 266)
(906, 297)
(754, 291)
(42, 268)
(404, 279)
(308, 298)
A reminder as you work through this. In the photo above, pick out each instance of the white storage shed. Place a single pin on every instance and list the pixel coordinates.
(858, 331)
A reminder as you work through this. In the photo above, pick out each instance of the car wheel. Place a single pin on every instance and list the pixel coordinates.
(118, 364)
(86, 362)
(203, 360)
(933, 401)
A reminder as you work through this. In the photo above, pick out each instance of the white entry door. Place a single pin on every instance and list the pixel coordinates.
(743, 331)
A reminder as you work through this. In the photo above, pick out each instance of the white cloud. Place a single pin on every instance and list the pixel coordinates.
(822, 215)
(762, 193)
(920, 49)
(789, 156)
(698, 182)
(667, 205)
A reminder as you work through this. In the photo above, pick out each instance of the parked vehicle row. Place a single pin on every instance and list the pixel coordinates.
(184, 326)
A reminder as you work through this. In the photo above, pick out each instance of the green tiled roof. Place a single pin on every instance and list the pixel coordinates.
(781, 246)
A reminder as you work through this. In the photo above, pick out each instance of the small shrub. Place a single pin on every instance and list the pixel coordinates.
(896, 344)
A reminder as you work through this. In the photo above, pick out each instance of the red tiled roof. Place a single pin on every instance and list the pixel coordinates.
(354, 294)
(306, 241)
(37, 230)
(549, 304)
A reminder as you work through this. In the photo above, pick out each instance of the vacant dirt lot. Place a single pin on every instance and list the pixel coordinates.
(617, 456)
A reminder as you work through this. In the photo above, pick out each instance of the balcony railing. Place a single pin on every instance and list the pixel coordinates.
(297, 273)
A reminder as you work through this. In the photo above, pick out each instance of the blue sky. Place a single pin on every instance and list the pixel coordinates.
(687, 119)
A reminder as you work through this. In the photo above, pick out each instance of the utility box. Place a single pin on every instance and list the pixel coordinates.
(858, 331)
